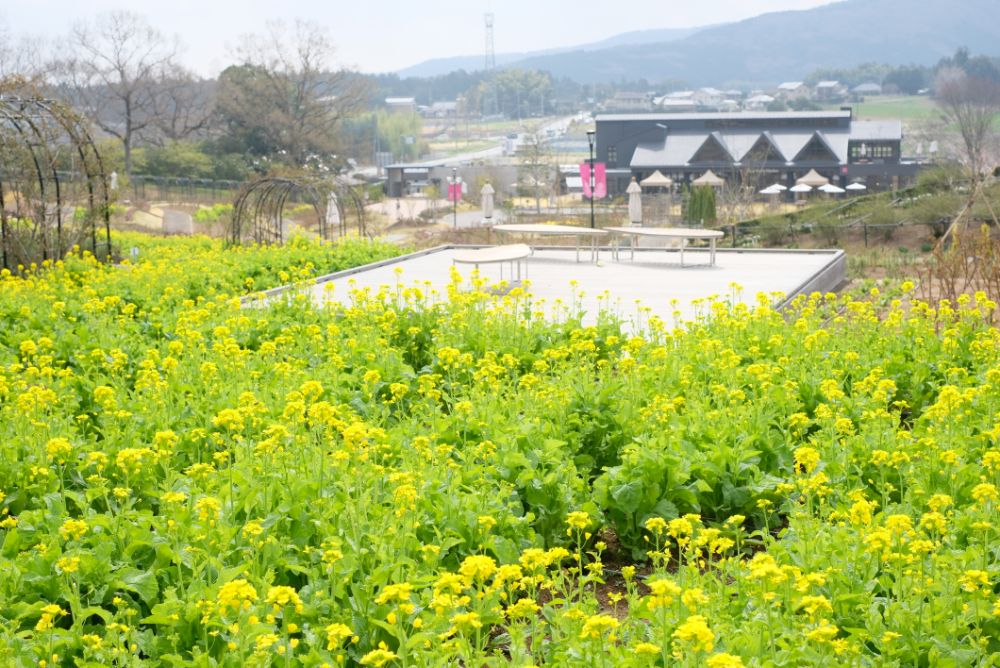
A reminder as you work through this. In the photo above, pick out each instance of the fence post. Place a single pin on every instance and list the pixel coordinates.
(864, 224)
(734, 235)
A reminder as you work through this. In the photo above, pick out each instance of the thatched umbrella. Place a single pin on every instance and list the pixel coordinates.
(813, 179)
(709, 178)
(656, 180)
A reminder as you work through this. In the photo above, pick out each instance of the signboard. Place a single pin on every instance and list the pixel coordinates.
(600, 179)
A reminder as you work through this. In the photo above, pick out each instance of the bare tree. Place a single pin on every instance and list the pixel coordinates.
(971, 105)
(285, 97)
(184, 105)
(114, 72)
(20, 56)
(536, 173)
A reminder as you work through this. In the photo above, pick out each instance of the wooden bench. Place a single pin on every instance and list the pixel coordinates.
(513, 253)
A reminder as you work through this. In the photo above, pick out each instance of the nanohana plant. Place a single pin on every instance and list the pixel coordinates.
(413, 479)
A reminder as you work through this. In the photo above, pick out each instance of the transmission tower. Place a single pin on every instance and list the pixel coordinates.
(491, 56)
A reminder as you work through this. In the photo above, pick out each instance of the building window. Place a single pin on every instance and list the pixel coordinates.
(612, 156)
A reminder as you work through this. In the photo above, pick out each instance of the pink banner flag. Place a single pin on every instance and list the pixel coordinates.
(600, 179)
(455, 192)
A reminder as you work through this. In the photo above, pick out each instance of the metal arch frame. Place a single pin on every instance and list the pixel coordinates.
(38, 125)
(259, 205)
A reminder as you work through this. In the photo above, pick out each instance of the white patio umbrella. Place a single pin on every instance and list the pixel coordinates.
(778, 186)
(487, 197)
(634, 202)
(857, 187)
(800, 188)
(770, 190)
(832, 189)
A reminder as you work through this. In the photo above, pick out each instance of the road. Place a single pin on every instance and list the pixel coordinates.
(553, 130)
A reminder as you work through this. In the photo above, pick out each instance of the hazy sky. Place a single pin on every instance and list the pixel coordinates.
(384, 35)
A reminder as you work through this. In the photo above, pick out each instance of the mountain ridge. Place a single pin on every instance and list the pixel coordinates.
(775, 47)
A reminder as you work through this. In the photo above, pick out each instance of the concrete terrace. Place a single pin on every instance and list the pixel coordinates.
(655, 279)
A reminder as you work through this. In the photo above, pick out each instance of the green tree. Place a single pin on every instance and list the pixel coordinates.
(399, 133)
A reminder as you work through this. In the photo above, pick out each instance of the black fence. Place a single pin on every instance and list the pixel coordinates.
(194, 191)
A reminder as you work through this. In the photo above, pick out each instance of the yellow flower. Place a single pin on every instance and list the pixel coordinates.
(265, 642)
(974, 580)
(984, 493)
(236, 595)
(378, 657)
(68, 564)
(336, 633)
(398, 593)
(578, 520)
(696, 631)
(477, 567)
(647, 648)
(597, 625)
(208, 508)
(49, 613)
(692, 598)
(656, 525)
(724, 660)
(58, 450)
(524, 608)
(73, 529)
(814, 604)
(467, 621)
(806, 459)
(282, 596)
(173, 497)
(662, 592)
(825, 632)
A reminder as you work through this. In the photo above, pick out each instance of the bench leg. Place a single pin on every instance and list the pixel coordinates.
(711, 245)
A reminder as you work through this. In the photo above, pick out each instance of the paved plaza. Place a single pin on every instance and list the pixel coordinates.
(654, 280)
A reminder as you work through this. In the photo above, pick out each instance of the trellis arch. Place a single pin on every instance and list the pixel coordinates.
(258, 211)
(53, 187)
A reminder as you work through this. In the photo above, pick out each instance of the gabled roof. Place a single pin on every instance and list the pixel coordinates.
(818, 143)
(790, 85)
(765, 149)
(827, 84)
(713, 149)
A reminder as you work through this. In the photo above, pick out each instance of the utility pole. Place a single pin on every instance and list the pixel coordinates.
(454, 197)
(590, 140)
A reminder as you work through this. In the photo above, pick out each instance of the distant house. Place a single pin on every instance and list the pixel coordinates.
(830, 91)
(794, 90)
(629, 101)
(867, 89)
(679, 101)
(401, 103)
(441, 110)
(708, 97)
(757, 102)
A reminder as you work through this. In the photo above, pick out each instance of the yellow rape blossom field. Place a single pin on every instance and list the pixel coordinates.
(474, 481)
